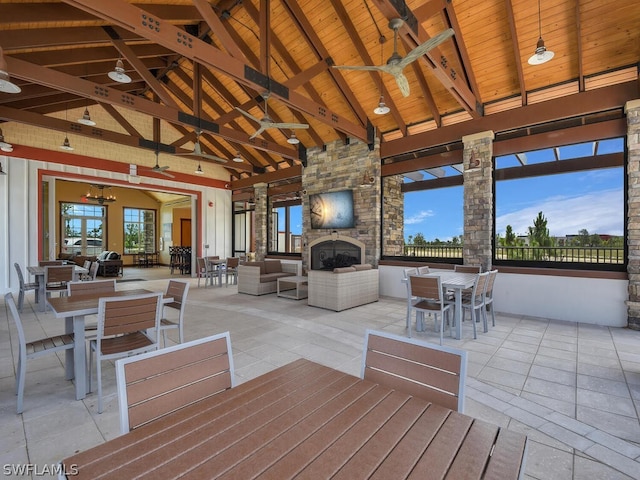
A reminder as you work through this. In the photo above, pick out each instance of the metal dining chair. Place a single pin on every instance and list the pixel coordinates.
(32, 349)
(429, 299)
(24, 287)
(177, 289)
(474, 301)
(56, 278)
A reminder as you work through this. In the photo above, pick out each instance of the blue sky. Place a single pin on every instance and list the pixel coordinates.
(592, 200)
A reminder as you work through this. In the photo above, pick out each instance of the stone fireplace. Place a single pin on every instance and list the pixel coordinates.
(331, 251)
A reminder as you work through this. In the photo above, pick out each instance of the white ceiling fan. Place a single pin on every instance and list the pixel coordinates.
(197, 151)
(162, 170)
(396, 63)
(267, 121)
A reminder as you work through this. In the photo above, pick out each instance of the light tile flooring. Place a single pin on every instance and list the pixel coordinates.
(573, 389)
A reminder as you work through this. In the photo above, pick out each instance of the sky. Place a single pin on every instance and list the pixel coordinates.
(591, 200)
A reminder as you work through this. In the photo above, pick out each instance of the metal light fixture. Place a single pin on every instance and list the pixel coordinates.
(238, 158)
(293, 140)
(541, 55)
(2, 172)
(118, 74)
(199, 170)
(474, 161)
(381, 109)
(96, 194)
(367, 179)
(66, 145)
(6, 85)
(4, 146)
(86, 118)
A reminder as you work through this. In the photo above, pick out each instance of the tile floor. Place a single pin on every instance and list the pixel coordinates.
(573, 389)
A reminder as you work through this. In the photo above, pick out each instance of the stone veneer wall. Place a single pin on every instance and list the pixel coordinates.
(478, 200)
(339, 166)
(261, 218)
(632, 110)
(393, 214)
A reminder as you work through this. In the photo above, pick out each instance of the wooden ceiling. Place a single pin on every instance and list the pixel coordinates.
(192, 62)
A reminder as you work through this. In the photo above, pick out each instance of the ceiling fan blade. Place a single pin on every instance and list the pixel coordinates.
(426, 46)
(248, 115)
(359, 67)
(166, 174)
(403, 84)
(289, 125)
(258, 132)
(214, 158)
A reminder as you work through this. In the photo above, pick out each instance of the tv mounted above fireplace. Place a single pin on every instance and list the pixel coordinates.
(332, 210)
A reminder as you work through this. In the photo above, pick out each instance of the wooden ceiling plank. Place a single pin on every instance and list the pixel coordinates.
(84, 88)
(130, 17)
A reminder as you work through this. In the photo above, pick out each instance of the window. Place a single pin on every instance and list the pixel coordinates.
(82, 228)
(139, 230)
(430, 205)
(286, 228)
(562, 207)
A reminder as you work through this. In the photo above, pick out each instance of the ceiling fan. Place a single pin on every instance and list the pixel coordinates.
(197, 151)
(162, 170)
(396, 63)
(267, 121)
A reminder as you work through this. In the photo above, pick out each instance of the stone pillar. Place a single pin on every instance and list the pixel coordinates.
(261, 218)
(478, 199)
(632, 110)
(393, 215)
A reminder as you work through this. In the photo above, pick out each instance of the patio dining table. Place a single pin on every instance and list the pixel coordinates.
(38, 272)
(218, 267)
(74, 309)
(308, 421)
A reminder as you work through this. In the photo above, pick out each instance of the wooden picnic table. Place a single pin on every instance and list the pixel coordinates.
(308, 421)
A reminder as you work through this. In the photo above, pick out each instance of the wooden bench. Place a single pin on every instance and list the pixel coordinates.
(153, 384)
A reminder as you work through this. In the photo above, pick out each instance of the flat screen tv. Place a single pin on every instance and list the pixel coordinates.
(332, 210)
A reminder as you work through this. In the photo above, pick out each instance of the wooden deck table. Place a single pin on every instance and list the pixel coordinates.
(308, 421)
(73, 309)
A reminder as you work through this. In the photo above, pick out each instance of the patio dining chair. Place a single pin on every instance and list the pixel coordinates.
(123, 326)
(405, 277)
(231, 269)
(202, 271)
(56, 278)
(24, 287)
(433, 373)
(488, 300)
(32, 349)
(428, 299)
(177, 289)
(474, 301)
(153, 384)
(467, 268)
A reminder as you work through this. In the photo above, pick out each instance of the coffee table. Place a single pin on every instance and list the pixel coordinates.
(300, 290)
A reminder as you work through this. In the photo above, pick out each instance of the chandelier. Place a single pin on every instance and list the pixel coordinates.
(96, 194)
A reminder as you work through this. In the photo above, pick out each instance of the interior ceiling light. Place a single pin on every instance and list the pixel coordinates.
(199, 170)
(118, 74)
(381, 109)
(293, 140)
(541, 55)
(4, 146)
(96, 194)
(86, 118)
(66, 145)
(6, 85)
(237, 158)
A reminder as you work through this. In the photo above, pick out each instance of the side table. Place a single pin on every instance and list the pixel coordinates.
(300, 283)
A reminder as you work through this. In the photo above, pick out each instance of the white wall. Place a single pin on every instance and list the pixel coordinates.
(585, 300)
(19, 212)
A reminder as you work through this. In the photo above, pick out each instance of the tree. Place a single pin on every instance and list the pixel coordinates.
(419, 239)
(539, 233)
(509, 236)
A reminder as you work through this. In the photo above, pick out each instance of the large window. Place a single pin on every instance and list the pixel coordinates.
(139, 230)
(82, 228)
(562, 207)
(286, 228)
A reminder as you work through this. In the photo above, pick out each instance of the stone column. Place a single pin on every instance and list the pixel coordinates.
(261, 217)
(478, 199)
(632, 110)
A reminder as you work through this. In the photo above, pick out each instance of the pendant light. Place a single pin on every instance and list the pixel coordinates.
(541, 55)
(293, 140)
(238, 158)
(382, 108)
(86, 118)
(199, 170)
(6, 85)
(66, 145)
(118, 74)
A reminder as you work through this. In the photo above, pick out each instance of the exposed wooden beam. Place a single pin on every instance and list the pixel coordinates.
(516, 51)
(217, 27)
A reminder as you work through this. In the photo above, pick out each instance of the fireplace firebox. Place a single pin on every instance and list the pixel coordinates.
(327, 253)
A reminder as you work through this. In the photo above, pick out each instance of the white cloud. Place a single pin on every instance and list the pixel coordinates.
(418, 217)
(598, 212)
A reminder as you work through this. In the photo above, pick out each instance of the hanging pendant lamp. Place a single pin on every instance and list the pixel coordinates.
(541, 55)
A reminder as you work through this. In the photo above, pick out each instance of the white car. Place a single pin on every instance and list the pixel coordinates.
(74, 245)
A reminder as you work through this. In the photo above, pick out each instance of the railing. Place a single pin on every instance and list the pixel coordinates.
(595, 255)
